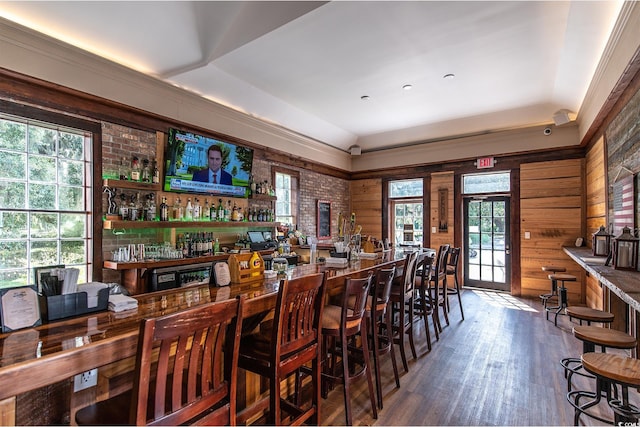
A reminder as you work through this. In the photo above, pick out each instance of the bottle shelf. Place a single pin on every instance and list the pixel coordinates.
(122, 224)
(131, 185)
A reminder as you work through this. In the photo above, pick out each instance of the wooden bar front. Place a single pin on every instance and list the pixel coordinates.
(54, 352)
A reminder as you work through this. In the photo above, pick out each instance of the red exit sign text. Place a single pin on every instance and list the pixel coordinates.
(485, 162)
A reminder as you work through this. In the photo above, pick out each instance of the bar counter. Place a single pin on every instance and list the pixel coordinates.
(36, 357)
(623, 283)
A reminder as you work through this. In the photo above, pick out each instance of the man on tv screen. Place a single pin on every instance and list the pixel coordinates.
(214, 172)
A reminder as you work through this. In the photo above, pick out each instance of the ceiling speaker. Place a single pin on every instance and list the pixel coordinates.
(561, 117)
(355, 150)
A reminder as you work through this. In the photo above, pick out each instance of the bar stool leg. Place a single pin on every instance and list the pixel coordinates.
(563, 303)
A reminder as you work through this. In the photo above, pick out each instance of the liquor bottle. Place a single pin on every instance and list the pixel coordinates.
(213, 212)
(199, 241)
(189, 211)
(220, 210)
(151, 208)
(206, 211)
(146, 173)
(135, 169)
(155, 179)
(164, 210)
(253, 186)
(133, 209)
(196, 210)
(124, 207)
(216, 246)
(234, 213)
(227, 211)
(123, 170)
(210, 243)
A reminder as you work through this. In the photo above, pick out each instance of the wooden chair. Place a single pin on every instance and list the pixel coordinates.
(438, 286)
(380, 324)
(402, 296)
(453, 263)
(292, 341)
(341, 324)
(179, 371)
(424, 306)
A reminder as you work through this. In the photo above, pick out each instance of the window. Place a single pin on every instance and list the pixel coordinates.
(45, 194)
(287, 195)
(405, 198)
(483, 183)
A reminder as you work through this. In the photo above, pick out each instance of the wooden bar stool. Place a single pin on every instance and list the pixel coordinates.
(179, 371)
(610, 370)
(380, 324)
(562, 292)
(290, 343)
(554, 285)
(341, 324)
(588, 314)
(452, 270)
(402, 294)
(592, 336)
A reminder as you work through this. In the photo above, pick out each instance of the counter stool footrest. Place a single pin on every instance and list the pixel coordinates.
(573, 365)
(624, 413)
(573, 397)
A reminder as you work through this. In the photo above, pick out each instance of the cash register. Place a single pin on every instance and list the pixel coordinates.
(259, 242)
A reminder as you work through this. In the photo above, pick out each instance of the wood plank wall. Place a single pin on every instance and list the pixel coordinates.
(551, 198)
(366, 202)
(439, 181)
(596, 191)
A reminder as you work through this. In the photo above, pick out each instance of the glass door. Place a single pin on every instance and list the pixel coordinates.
(486, 231)
(407, 221)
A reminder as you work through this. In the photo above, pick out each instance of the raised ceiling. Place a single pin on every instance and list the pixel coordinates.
(306, 65)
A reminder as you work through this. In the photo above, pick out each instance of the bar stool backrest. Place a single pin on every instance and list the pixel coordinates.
(354, 301)
(454, 256)
(190, 375)
(298, 315)
(409, 273)
(425, 269)
(382, 283)
(441, 263)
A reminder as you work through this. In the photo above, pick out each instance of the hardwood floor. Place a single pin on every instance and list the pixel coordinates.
(500, 366)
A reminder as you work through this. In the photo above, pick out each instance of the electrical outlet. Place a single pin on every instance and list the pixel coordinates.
(85, 380)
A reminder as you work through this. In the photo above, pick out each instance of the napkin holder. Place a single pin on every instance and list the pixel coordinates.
(56, 307)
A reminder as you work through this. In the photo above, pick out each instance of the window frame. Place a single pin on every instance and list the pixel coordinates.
(93, 174)
(295, 192)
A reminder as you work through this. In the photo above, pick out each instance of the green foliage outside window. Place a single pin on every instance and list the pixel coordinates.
(43, 194)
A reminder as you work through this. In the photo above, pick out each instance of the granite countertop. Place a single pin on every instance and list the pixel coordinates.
(625, 284)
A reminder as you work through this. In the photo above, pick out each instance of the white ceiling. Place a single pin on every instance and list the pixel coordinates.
(305, 65)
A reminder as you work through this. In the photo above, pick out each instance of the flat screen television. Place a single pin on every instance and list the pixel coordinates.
(187, 160)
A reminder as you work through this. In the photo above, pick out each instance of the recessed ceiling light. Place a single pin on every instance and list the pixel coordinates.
(449, 76)
(407, 87)
(365, 97)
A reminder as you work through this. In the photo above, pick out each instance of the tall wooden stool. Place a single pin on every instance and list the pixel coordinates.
(592, 336)
(610, 371)
(588, 315)
(562, 292)
(554, 285)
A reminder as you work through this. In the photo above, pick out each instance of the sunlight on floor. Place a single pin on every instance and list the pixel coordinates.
(501, 299)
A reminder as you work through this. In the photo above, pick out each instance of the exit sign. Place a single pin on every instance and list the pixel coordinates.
(485, 162)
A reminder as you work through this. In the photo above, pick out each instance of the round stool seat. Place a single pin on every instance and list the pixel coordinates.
(553, 269)
(589, 314)
(621, 369)
(563, 277)
(604, 337)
